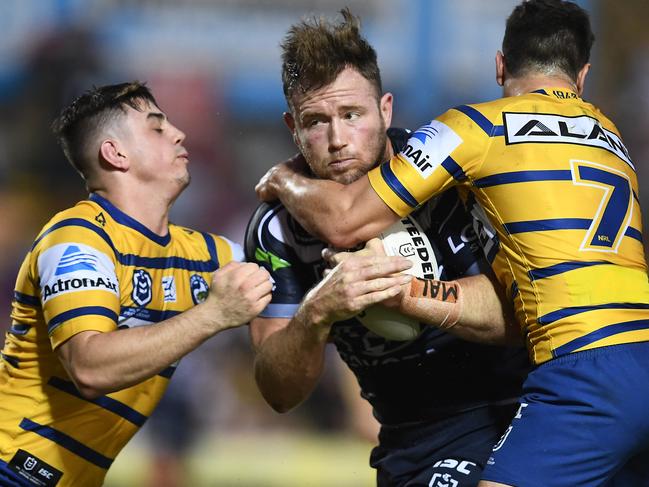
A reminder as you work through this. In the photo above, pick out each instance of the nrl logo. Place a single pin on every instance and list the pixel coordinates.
(142, 284)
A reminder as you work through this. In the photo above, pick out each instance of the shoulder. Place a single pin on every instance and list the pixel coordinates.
(83, 223)
(272, 229)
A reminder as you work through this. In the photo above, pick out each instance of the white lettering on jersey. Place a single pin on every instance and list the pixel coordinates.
(525, 128)
(72, 266)
(429, 146)
(169, 288)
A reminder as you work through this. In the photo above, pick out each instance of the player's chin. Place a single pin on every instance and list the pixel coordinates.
(346, 177)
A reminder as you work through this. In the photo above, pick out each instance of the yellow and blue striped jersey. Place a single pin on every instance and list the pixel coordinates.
(92, 267)
(554, 181)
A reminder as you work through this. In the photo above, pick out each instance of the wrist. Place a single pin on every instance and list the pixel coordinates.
(313, 323)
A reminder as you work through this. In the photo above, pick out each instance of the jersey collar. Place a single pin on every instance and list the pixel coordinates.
(122, 218)
(560, 93)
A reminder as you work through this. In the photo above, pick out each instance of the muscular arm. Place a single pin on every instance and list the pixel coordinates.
(290, 353)
(484, 315)
(101, 363)
(289, 359)
(343, 215)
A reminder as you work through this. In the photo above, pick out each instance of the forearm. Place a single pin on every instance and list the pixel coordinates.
(100, 363)
(471, 308)
(342, 215)
(288, 363)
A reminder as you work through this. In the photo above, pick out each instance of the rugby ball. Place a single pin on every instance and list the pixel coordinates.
(407, 239)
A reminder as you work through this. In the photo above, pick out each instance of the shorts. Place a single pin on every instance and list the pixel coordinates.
(450, 451)
(582, 417)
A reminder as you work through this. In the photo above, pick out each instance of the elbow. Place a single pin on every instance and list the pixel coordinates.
(87, 384)
(281, 407)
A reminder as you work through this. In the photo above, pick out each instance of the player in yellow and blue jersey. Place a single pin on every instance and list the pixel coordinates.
(111, 296)
(549, 176)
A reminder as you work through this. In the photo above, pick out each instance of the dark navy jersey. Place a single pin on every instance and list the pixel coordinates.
(435, 374)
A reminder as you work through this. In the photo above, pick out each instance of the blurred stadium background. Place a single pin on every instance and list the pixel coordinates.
(215, 69)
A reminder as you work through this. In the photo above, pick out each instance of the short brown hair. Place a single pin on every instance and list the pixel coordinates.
(315, 51)
(79, 122)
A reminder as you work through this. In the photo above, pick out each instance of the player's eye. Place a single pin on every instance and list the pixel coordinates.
(158, 129)
(352, 115)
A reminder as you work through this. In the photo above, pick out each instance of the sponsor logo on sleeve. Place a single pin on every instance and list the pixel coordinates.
(429, 146)
(142, 284)
(528, 128)
(72, 267)
(34, 470)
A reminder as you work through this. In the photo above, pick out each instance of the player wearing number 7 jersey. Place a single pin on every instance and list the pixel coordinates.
(551, 177)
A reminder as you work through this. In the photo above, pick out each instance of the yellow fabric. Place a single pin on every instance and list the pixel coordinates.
(555, 181)
(99, 250)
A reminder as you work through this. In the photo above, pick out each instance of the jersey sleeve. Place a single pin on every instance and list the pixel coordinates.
(269, 243)
(446, 152)
(74, 272)
(227, 250)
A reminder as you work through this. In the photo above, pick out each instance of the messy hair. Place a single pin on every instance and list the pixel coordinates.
(315, 51)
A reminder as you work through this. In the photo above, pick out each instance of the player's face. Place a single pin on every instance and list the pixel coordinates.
(340, 128)
(155, 149)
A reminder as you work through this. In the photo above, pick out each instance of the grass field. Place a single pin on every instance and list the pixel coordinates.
(259, 460)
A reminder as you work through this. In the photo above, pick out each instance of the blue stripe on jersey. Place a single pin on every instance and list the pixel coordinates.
(540, 92)
(122, 218)
(104, 402)
(523, 177)
(168, 372)
(279, 310)
(211, 247)
(600, 334)
(454, 169)
(167, 262)
(547, 225)
(8, 478)
(67, 442)
(135, 260)
(553, 270)
(483, 122)
(26, 299)
(79, 222)
(13, 361)
(575, 310)
(514, 289)
(633, 233)
(146, 314)
(19, 329)
(560, 224)
(82, 311)
(396, 186)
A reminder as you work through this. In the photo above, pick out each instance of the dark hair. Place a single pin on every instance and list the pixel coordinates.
(547, 34)
(315, 51)
(80, 121)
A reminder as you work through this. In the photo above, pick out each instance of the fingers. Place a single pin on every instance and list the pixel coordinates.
(370, 267)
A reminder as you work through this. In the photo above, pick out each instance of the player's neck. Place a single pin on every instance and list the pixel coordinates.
(528, 84)
(151, 210)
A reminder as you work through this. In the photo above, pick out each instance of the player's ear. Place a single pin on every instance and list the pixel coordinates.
(581, 78)
(500, 68)
(289, 121)
(111, 155)
(385, 106)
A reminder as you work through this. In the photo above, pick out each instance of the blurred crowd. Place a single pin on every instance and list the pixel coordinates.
(215, 70)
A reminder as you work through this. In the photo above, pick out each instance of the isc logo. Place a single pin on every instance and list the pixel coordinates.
(43, 472)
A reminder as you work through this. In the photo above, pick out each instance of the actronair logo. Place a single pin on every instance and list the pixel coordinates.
(73, 259)
(77, 284)
(429, 146)
(526, 128)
